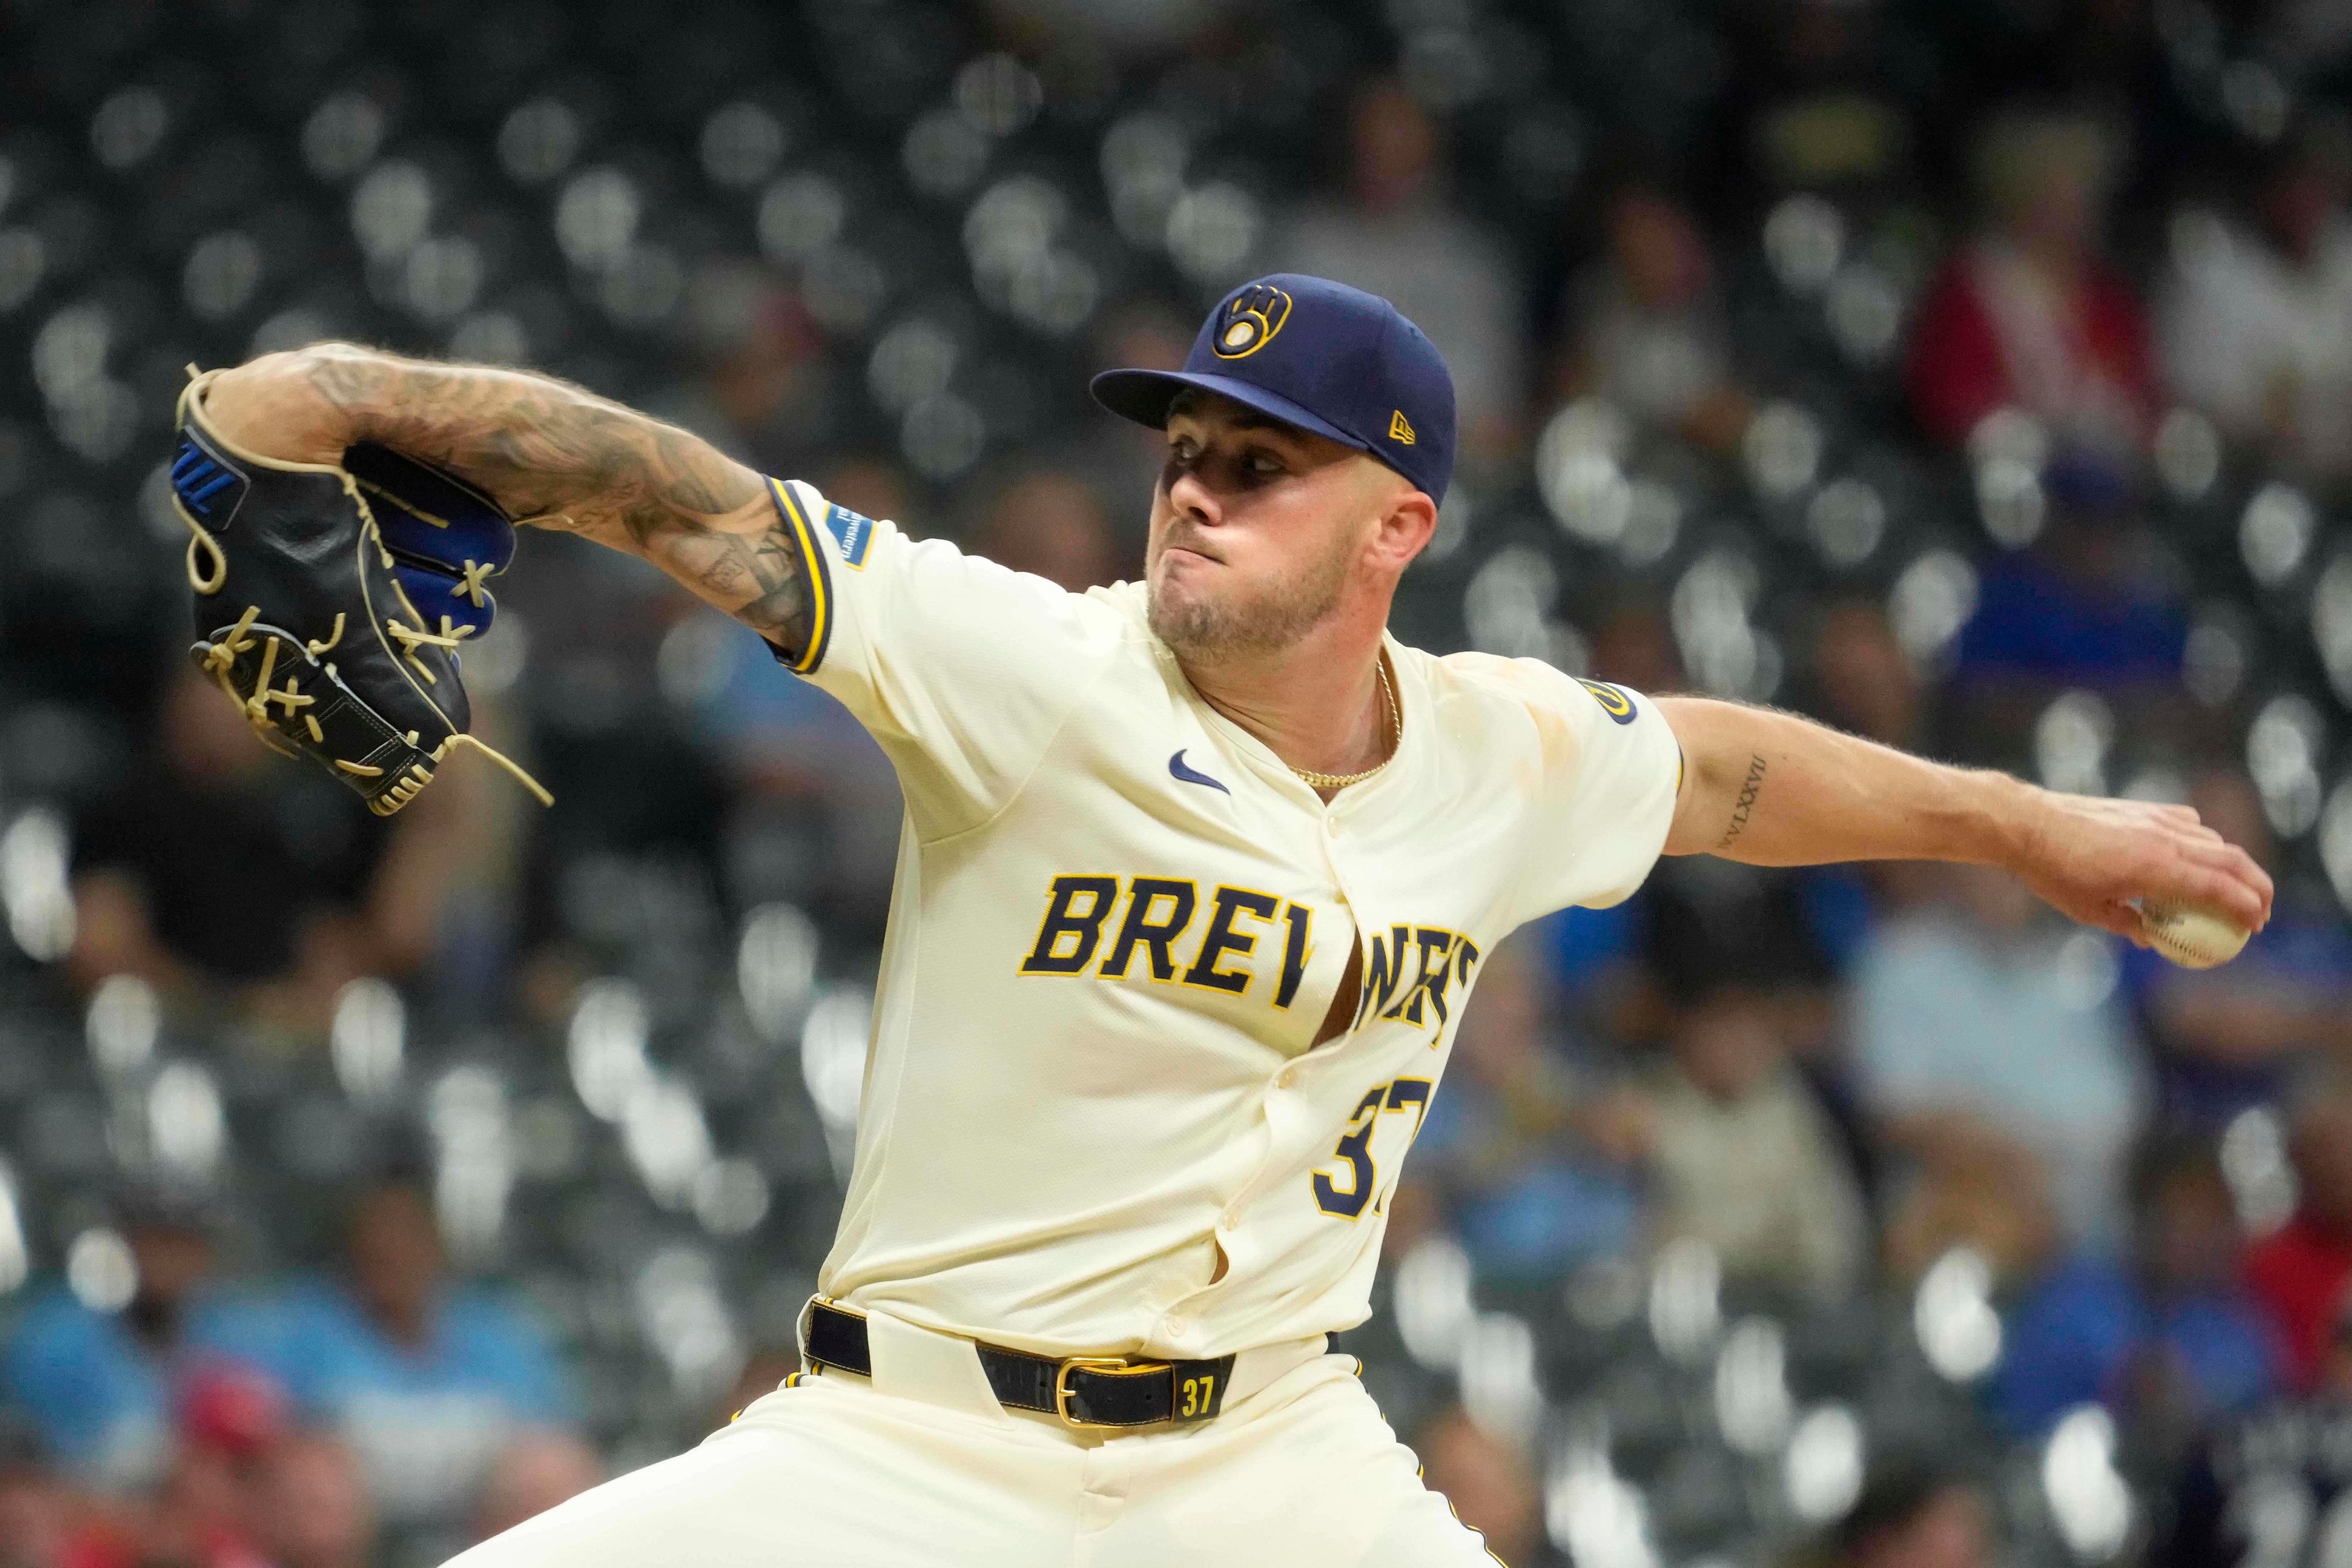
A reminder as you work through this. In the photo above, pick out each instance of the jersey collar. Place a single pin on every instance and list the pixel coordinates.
(1411, 706)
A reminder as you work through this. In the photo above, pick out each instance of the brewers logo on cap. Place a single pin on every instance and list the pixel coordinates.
(1349, 368)
(1249, 321)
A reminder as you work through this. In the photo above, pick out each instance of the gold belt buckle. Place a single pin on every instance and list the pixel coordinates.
(1094, 1364)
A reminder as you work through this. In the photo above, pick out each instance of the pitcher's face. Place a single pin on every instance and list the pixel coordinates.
(1259, 531)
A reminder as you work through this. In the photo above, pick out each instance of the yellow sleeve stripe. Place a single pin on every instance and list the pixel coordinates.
(819, 578)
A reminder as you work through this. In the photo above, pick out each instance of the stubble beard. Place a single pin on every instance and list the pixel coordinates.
(1239, 625)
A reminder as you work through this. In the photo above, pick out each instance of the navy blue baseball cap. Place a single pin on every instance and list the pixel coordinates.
(1320, 355)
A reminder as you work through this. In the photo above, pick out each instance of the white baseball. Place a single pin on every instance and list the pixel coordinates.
(2191, 937)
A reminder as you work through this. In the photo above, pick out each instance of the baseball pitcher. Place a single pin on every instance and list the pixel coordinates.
(1195, 876)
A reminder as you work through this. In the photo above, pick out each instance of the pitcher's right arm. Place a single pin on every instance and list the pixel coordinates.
(962, 670)
(554, 455)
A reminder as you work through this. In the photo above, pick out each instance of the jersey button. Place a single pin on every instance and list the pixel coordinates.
(1287, 1079)
(1231, 1219)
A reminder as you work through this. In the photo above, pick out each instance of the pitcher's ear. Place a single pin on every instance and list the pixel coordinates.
(1407, 526)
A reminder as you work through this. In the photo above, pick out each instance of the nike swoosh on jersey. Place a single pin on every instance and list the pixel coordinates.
(1177, 769)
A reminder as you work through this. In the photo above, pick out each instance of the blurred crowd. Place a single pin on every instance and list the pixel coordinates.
(1975, 377)
(218, 1425)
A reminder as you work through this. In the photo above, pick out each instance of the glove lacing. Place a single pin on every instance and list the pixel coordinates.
(220, 657)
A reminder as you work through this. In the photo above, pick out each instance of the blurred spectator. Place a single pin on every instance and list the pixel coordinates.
(2171, 1338)
(2029, 313)
(1633, 645)
(1533, 1164)
(1399, 236)
(1591, 956)
(1696, 920)
(2271, 1486)
(1416, 1212)
(100, 1385)
(764, 379)
(1913, 1514)
(2094, 603)
(325, 892)
(814, 814)
(313, 1510)
(1646, 329)
(2301, 1272)
(876, 486)
(2257, 319)
(43, 1524)
(1489, 1482)
(1706, 924)
(812, 809)
(1743, 1159)
(1811, 105)
(1045, 521)
(1974, 1191)
(426, 1379)
(211, 1511)
(1150, 331)
(531, 1475)
(1986, 1059)
(1862, 681)
(2232, 1036)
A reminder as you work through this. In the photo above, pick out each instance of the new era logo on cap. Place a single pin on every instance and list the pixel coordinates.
(1319, 355)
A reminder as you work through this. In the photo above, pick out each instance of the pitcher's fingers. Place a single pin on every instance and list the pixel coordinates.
(2226, 890)
(2241, 868)
(2218, 853)
(2263, 885)
(2215, 850)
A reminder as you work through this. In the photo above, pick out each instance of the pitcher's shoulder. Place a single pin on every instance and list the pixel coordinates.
(1531, 680)
(1509, 700)
(1486, 681)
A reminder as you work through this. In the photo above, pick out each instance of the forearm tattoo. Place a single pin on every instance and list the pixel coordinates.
(1743, 807)
(560, 457)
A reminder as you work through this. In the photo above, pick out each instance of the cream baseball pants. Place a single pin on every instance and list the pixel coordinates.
(919, 1467)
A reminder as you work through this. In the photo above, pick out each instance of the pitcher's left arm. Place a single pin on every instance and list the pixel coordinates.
(1772, 789)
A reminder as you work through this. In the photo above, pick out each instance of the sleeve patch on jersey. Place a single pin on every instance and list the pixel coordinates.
(853, 531)
(1613, 701)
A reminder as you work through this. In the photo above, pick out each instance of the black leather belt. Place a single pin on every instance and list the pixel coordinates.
(1084, 1391)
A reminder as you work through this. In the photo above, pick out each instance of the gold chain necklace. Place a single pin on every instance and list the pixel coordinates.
(1394, 717)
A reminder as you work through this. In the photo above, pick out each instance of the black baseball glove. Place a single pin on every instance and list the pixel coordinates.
(331, 601)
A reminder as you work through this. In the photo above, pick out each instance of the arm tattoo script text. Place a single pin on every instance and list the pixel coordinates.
(1746, 805)
(560, 457)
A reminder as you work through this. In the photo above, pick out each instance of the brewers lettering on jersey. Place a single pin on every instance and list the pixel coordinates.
(1195, 877)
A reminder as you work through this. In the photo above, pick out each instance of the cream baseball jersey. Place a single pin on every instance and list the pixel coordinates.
(1094, 1118)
